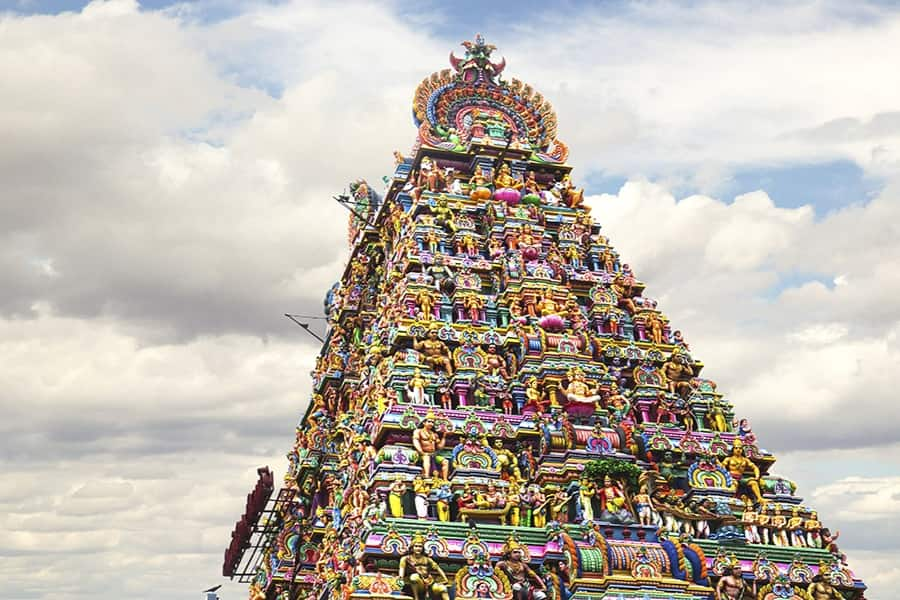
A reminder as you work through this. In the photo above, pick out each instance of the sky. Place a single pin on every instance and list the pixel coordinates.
(165, 185)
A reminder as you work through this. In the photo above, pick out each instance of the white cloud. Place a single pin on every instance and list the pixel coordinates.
(161, 212)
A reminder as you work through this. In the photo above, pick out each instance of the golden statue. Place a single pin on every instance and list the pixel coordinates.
(507, 461)
(504, 179)
(739, 466)
(653, 326)
(422, 574)
(427, 442)
(821, 589)
(436, 352)
(547, 305)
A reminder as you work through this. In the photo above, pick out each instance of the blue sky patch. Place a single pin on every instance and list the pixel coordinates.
(825, 186)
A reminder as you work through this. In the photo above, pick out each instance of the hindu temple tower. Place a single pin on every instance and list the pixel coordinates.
(499, 410)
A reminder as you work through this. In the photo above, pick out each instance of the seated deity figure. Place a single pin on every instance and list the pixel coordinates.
(613, 503)
(504, 179)
(422, 574)
(529, 243)
(578, 389)
(743, 471)
(678, 372)
(531, 185)
(491, 498)
(525, 583)
(478, 186)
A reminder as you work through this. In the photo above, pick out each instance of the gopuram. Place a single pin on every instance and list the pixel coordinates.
(500, 412)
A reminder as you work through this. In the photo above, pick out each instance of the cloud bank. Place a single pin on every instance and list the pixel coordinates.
(166, 183)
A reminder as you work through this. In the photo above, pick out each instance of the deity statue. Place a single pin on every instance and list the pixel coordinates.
(613, 503)
(779, 527)
(415, 388)
(466, 498)
(617, 403)
(478, 186)
(571, 196)
(443, 497)
(749, 520)
(432, 241)
(504, 179)
(739, 466)
(495, 248)
(623, 294)
(514, 501)
(436, 353)
(396, 491)
(557, 502)
(578, 390)
(422, 574)
(643, 505)
(586, 493)
(795, 528)
(813, 526)
(608, 259)
(495, 363)
(506, 460)
(539, 506)
(443, 215)
(526, 584)
(528, 242)
(473, 305)
(421, 491)
(716, 416)
(678, 372)
(821, 589)
(534, 397)
(493, 497)
(531, 185)
(732, 586)
(430, 178)
(763, 520)
(573, 256)
(427, 443)
(653, 326)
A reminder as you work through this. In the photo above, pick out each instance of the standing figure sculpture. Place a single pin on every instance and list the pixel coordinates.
(425, 578)
(415, 388)
(427, 442)
(732, 586)
(436, 353)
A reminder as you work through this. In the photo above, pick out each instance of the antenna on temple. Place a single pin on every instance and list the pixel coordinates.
(347, 202)
(305, 326)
